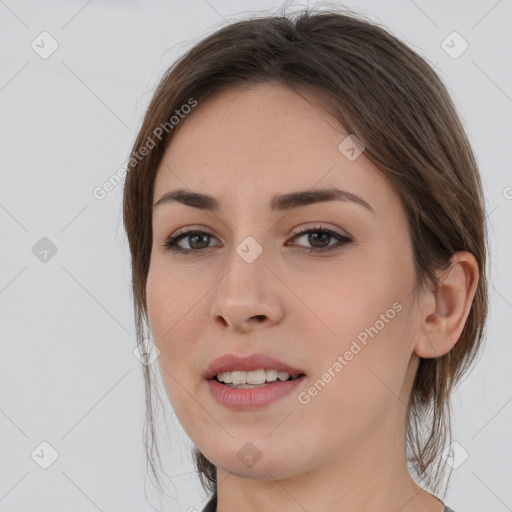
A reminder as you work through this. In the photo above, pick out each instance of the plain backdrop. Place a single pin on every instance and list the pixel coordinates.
(71, 388)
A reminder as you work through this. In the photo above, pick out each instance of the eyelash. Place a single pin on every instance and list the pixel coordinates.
(171, 243)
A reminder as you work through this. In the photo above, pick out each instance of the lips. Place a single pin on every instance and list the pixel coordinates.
(232, 362)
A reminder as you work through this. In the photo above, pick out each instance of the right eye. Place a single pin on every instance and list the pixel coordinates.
(200, 238)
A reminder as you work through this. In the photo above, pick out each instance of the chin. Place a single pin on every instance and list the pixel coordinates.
(275, 466)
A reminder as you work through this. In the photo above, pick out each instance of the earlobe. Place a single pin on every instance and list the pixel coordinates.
(446, 312)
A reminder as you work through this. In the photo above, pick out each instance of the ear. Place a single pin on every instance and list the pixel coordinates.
(444, 313)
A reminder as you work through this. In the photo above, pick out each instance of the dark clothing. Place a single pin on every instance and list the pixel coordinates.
(211, 506)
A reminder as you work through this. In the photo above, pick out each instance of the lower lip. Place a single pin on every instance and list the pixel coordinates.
(254, 397)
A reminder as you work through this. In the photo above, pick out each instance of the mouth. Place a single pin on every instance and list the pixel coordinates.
(254, 379)
(250, 389)
(256, 370)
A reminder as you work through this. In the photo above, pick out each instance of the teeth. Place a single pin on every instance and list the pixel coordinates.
(252, 377)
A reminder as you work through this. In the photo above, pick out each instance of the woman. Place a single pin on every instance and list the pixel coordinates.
(306, 226)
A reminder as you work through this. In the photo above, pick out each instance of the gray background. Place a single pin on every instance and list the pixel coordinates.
(68, 375)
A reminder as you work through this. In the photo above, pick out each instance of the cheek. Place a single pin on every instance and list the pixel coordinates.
(176, 317)
(166, 296)
(356, 383)
(364, 318)
(166, 311)
(157, 300)
(350, 301)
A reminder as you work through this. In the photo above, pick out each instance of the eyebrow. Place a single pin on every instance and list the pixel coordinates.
(278, 203)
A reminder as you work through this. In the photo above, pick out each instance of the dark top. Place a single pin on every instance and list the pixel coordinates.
(211, 506)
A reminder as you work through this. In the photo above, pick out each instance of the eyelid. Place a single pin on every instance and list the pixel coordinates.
(318, 225)
(187, 229)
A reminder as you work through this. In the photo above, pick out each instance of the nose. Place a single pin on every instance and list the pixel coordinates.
(248, 296)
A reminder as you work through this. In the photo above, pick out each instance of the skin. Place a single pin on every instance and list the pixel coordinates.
(345, 449)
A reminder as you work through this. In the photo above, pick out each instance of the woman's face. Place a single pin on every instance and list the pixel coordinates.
(343, 317)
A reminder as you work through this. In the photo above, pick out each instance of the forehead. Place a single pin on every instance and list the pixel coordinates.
(262, 140)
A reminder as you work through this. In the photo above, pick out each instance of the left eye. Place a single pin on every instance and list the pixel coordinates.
(320, 236)
(316, 236)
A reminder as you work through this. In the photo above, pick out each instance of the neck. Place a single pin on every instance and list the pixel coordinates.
(370, 475)
(352, 492)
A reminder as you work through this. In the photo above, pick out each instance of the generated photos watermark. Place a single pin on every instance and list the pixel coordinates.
(304, 397)
(101, 191)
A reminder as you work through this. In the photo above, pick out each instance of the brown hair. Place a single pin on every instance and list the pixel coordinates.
(394, 102)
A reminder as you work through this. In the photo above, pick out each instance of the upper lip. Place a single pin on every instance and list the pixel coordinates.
(232, 362)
